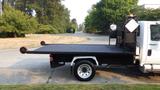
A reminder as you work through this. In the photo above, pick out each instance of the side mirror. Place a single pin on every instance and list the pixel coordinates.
(113, 27)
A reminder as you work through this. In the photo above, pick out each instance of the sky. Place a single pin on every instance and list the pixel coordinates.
(149, 2)
(79, 8)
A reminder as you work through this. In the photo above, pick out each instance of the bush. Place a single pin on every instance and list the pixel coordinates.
(47, 29)
(14, 23)
(10, 34)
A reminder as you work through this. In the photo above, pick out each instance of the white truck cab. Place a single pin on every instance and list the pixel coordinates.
(148, 43)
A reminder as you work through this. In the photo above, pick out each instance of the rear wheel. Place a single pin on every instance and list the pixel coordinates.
(84, 70)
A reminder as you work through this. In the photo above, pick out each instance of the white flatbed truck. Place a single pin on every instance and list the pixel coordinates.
(138, 46)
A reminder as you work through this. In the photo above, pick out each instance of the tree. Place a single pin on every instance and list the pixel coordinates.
(1, 11)
(49, 12)
(15, 23)
(147, 14)
(107, 12)
(81, 27)
(74, 24)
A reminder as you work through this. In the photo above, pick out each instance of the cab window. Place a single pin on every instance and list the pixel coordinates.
(155, 32)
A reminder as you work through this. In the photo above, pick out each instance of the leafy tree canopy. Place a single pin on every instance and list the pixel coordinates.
(147, 14)
(49, 12)
(107, 12)
(16, 22)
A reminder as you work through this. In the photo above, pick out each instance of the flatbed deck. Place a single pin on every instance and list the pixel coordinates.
(80, 48)
(105, 54)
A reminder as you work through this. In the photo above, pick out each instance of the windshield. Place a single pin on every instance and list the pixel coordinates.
(155, 32)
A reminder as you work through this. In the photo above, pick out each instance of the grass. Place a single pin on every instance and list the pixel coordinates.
(80, 87)
(33, 40)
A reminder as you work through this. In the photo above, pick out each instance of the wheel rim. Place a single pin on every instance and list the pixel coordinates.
(84, 71)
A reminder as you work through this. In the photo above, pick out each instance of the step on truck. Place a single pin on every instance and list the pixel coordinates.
(138, 43)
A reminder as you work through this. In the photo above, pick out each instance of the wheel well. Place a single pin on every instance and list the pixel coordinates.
(88, 59)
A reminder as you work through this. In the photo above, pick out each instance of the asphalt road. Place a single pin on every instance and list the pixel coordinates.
(16, 68)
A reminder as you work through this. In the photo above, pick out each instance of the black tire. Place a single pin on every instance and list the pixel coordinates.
(88, 64)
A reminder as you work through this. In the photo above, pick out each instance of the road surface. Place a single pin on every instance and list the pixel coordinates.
(17, 68)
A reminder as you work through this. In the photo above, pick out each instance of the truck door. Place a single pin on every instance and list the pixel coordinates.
(153, 56)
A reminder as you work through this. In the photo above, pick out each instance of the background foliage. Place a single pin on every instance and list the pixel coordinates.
(14, 23)
(52, 17)
(107, 12)
(49, 12)
(148, 14)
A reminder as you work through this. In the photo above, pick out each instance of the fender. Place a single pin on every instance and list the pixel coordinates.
(85, 57)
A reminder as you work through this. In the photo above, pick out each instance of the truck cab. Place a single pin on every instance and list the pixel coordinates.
(148, 44)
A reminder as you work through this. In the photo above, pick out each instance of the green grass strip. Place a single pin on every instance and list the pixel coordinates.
(80, 87)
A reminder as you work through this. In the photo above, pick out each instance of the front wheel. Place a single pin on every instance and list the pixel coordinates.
(84, 70)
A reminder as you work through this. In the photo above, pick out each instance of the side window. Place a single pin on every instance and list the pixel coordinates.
(155, 32)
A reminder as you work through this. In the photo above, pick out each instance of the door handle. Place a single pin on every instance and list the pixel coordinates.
(153, 44)
(149, 52)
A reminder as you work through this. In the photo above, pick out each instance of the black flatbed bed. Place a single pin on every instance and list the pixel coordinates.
(80, 49)
(105, 54)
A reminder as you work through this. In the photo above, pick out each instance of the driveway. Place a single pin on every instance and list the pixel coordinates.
(16, 68)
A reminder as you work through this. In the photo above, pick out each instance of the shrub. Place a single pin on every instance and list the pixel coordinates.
(16, 23)
(47, 29)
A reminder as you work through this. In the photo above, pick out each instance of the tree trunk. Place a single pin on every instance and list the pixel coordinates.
(14, 34)
(24, 7)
